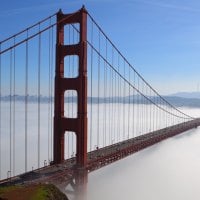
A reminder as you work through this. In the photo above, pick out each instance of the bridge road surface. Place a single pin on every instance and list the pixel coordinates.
(65, 172)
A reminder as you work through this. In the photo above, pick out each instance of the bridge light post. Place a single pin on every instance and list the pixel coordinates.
(8, 174)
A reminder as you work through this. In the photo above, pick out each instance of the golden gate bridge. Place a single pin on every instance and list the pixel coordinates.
(94, 108)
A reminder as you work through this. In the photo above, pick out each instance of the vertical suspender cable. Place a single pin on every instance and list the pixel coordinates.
(10, 109)
(147, 107)
(105, 87)
(138, 107)
(150, 112)
(26, 101)
(105, 92)
(157, 115)
(118, 103)
(120, 107)
(104, 105)
(160, 114)
(98, 114)
(49, 90)
(154, 107)
(168, 118)
(14, 88)
(109, 101)
(143, 108)
(91, 84)
(154, 113)
(142, 111)
(39, 95)
(109, 104)
(134, 105)
(167, 115)
(112, 117)
(0, 112)
(164, 116)
(124, 105)
(104, 97)
(129, 101)
(51, 95)
(114, 101)
(115, 109)
(113, 98)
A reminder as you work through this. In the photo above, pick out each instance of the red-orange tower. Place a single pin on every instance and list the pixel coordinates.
(79, 84)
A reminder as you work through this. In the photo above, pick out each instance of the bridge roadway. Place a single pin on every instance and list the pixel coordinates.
(66, 171)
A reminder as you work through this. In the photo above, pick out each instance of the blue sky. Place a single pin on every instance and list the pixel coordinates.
(161, 39)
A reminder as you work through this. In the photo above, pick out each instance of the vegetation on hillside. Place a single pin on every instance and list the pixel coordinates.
(32, 192)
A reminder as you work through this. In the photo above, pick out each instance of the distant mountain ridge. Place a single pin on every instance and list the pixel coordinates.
(191, 95)
(183, 102)
(178, 99)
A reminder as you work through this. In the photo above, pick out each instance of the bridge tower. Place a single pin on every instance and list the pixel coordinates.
(79, 84)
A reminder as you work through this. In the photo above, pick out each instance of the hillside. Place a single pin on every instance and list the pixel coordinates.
(32, 192)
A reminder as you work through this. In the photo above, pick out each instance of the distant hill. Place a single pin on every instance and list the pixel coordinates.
(177, 99)
(192, 95)
(181, 101)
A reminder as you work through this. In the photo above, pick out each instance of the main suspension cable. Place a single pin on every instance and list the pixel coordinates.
(163, 99)
(146, 97)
